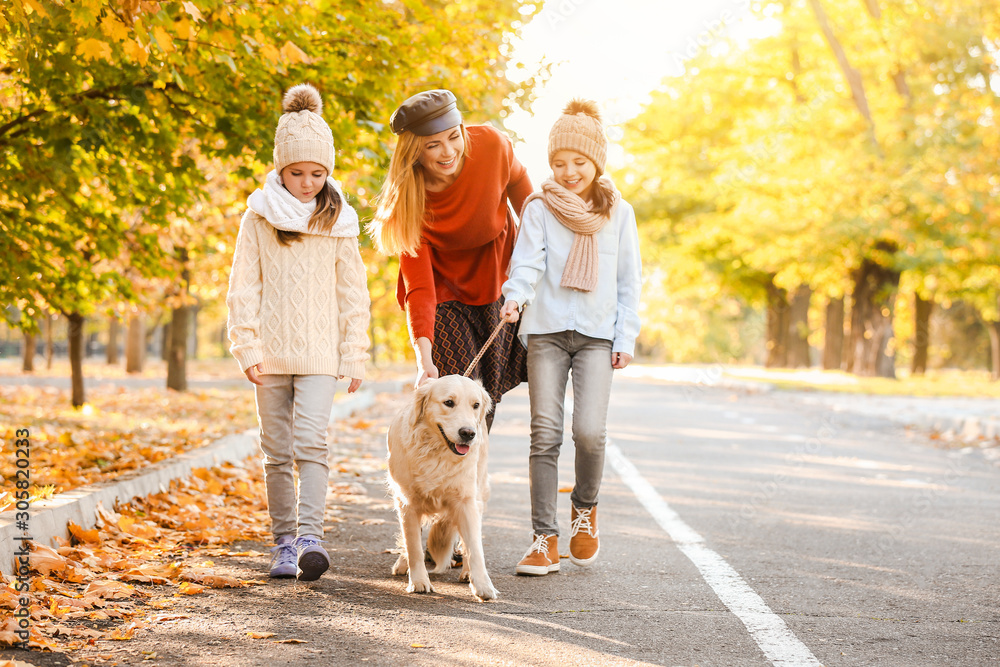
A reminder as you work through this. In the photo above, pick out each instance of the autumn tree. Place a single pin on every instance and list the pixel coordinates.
(110, 109)
(852, 146)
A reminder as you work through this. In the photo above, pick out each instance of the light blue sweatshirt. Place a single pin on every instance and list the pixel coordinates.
(610, 312)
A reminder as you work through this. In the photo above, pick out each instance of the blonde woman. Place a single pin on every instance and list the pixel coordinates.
(444, 210)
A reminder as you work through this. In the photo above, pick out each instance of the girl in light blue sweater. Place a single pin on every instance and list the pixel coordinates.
(576, 272)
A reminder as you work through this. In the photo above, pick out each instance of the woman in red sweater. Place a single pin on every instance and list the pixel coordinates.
(444, 210)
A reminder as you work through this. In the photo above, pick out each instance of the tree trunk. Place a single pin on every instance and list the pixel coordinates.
(922, 335)
(798, 328)
(179, 327)
(91, 348)
(833, 338)
(50, 348)
(994, 329)
(165, 341)
(28, 365)
(224, 339)
(777, 326)
(76, 357)
(112, 349)
(193, 336)
(870, 353)
(135, 343)
(177, 349)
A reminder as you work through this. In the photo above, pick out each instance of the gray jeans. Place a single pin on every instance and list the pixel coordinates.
(550, 358)
(294, 413)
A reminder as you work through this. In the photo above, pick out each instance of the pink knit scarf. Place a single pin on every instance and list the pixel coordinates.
(575, 215)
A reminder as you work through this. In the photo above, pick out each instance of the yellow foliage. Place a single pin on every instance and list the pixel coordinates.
(163, 39)
(294, 55)
(192, 11)
(35, 6)
(136, 51)
(270, 53)
(184, 28)
(94, 49)
(114, 29)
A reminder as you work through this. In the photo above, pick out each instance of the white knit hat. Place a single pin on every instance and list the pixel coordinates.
(302, 134)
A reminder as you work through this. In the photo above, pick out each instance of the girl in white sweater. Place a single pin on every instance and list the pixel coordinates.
(298, 320)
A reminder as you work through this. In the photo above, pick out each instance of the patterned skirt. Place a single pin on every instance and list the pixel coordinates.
(461, 330)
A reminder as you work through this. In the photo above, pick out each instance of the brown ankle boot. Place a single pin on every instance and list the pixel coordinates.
(583, 542)
(541, 558)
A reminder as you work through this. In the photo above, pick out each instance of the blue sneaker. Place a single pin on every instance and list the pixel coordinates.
(313, 559)
(283, 557)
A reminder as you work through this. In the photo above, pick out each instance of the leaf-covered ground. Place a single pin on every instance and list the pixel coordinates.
(98, 589)
(119, 429)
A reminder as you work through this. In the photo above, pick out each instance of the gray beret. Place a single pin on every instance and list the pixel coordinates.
(426, 113)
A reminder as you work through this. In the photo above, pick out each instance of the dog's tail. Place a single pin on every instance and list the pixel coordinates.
(441, 543)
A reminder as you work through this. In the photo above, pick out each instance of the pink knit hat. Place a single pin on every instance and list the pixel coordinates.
(579, 129)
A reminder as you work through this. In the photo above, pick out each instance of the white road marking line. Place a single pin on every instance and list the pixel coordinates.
(766, 628)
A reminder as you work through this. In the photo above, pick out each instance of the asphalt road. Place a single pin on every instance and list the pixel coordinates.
(737, 529)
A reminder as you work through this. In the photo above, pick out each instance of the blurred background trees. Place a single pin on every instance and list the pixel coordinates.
(817, 195)
(822, 192)
(132, 132)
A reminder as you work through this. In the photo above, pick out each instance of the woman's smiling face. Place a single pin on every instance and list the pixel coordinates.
(575, 172)
(442, 153)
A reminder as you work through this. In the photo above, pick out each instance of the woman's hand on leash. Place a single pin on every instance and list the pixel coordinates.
(355, 385)
(509, 312)
(620, 360)
(251, 374)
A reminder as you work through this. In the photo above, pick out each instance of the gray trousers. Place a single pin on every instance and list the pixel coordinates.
(294, 413)
(550, 359)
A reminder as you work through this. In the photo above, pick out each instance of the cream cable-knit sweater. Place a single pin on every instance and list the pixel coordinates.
(301, 309)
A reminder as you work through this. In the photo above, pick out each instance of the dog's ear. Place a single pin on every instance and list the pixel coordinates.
(420, 398)
(485, 405)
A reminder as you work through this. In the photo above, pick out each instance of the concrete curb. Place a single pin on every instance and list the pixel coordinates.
(48, 518)
(955, 420)
(962, 428)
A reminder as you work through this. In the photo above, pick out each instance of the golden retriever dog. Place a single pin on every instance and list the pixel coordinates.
(438, 446)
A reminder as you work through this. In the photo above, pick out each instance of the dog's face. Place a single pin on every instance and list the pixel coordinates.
(456, 408)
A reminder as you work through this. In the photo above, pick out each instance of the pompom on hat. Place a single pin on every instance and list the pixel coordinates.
(302, 134)
(579, 129)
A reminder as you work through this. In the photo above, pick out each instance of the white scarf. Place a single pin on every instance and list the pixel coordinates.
(280, 208)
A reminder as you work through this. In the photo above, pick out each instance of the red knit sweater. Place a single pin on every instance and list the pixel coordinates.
(468, 234)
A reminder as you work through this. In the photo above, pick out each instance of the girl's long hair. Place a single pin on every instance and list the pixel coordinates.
(401, 203)
(601, 198)
(323, 218)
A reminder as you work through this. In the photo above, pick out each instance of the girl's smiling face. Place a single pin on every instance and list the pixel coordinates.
(575, 172)
(304, 180)
(442, 153)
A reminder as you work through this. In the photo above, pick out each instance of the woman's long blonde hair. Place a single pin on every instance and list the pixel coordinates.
(401, 203)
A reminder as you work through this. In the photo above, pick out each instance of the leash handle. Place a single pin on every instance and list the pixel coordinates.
(486, 346)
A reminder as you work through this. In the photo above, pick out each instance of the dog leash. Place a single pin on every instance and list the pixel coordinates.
(486, 346)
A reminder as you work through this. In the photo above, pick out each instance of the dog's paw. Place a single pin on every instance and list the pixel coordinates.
(440, 569)
(464, 577)
(484, 590)
(401, 566)
(420, 586)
